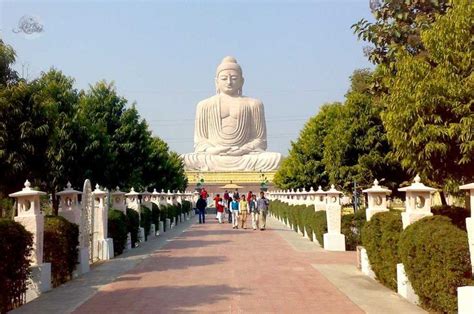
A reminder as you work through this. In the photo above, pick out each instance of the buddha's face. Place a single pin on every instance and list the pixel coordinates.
(229, 82)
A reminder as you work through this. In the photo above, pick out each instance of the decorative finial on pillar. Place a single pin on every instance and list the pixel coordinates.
(376, 182)
(417, 178)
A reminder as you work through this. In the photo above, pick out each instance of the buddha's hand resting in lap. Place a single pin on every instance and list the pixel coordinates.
(217, 150)
(237, 151)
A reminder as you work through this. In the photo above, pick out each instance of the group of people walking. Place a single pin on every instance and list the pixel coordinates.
(237, 208)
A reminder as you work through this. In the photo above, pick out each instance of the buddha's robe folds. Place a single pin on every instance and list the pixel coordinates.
(248, 133)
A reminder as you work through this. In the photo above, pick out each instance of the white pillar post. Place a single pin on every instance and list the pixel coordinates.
(103, 246)
(417, 206)
(333, 239)
(466, 294)
(377, 197)
(31, 217)
(118, 200)
(320, 200)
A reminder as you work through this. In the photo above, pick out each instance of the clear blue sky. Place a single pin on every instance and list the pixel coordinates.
(295, 55)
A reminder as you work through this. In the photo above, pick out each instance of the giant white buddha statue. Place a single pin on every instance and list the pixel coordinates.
(230, 132)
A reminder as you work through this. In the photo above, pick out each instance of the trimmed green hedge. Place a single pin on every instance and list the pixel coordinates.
(306, 218)
(187, 206)
(320, 225)
(155, 215)
(117, 230)
(435, 254)
(145, 220)
(60, 247)
(351, 227)
(303, 216)
(16, 244)
(380, 238)
(457, 215)
(133, 224)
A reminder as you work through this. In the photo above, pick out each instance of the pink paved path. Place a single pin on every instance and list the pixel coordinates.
(212, 268)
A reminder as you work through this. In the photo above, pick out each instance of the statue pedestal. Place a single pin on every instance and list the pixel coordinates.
(214, 180)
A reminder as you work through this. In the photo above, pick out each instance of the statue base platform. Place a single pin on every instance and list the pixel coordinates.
(214, 181)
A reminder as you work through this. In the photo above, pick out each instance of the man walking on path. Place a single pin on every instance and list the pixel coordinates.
(254, 211)
(201, 206)
(243, 210)
(234, 208)
(262, 207)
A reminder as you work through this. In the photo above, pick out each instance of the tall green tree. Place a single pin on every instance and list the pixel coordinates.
(59, 99)
(304, 167)
(165, 169)
(99, 113)
(357, 149)
(429, 110)
(130, 147)
(24, 132)
(8, 75)
(397, 27)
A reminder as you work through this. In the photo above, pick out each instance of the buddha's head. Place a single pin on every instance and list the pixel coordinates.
(229, 79)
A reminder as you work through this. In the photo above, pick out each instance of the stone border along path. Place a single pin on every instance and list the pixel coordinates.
(212, 268)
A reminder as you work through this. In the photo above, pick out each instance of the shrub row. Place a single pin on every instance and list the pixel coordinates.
(61, 239)
(145, 220)
(60, 246)
(435, 254)
(118, 230)
(133, 225)
(304, 217)
(434, 251)
(380, 238)
(15, 249)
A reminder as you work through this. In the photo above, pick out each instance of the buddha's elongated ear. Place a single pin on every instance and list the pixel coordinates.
(240, 89)
(217, 88)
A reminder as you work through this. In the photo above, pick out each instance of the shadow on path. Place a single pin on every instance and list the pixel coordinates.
(183, 243)
(161, 262)
(163, 299)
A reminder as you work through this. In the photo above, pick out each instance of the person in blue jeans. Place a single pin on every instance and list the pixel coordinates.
(201, 206)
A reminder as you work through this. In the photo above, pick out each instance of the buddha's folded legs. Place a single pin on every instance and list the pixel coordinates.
(265, 161)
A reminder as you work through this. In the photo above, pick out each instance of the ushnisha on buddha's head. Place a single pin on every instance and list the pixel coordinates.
(229, 79)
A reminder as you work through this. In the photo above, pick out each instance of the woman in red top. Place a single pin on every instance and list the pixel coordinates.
(219, 207)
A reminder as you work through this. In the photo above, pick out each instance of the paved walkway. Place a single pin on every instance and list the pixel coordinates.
(212, 268)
